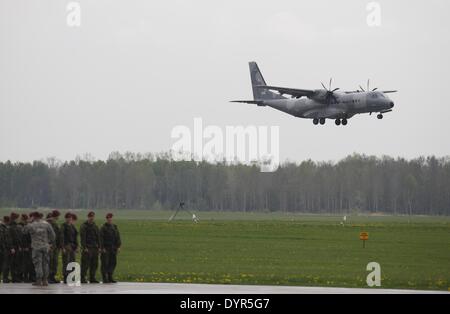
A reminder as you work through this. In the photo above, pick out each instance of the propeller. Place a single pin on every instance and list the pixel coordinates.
(368, 87)
(330, 93)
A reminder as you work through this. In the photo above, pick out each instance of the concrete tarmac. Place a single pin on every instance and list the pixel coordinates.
(171, 288)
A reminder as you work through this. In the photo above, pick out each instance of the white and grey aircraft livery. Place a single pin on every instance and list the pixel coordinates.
(318, 104)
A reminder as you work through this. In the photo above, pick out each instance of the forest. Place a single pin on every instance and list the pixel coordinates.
(355, 184)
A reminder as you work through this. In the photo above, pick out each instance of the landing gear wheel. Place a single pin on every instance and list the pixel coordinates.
(316, 121)
(344, 121)
(380, 116)
(338, 121)
(322, 121)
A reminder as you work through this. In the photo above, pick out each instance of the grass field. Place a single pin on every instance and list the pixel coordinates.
(283, 249)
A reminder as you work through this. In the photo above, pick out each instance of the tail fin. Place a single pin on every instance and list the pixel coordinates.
(258, 80)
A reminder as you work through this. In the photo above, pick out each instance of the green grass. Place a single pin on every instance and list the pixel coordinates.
(283, 249)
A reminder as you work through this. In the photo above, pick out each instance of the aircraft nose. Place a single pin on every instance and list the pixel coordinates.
(391, 104)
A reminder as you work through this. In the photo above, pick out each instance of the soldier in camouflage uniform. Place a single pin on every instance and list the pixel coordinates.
(3, 246)
(52, 219)
(14, 243)
(26, 261)
(69, 242)
(42, 238)
(90, 245)
(110, 244)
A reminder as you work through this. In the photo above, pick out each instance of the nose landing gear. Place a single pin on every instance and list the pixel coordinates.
(379, 116)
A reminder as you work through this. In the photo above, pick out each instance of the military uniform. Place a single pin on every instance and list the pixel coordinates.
(54, 251)
(109, 244)
(42, 237)
(13, 242)
(69, 244)
(90, 244)
(25, 256)
(3, 246)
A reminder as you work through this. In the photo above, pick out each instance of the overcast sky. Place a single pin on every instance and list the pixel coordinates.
(137, 68)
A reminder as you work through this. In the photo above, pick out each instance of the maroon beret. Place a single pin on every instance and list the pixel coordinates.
(14, 216)
(56, 213)
(34, 214)
(91, 214)
(109, 215)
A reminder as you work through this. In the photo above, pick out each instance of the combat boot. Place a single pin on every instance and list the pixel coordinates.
(111, 280)
(93, 280)
(52, 280)
(45, 283)
(105, 278)
(37, 283)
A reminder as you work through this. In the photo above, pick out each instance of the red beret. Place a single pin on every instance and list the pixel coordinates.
(24, 217)
(56, 213)
(14, 216)
(91, 214)
(74, 217)
(109, 215)
(68, 215)
(49, 215)
(35, 215)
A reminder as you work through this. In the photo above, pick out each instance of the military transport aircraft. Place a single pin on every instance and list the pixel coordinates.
(318, 104)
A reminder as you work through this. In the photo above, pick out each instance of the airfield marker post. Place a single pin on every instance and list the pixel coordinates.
(364, 236)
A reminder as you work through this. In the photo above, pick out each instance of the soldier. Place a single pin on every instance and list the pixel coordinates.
(52, 219)
(6, 267)
(26, 261)
(42, 238)
(110, 244)
(69, 242)
(14, 243)
(90, 245)
(3, 246)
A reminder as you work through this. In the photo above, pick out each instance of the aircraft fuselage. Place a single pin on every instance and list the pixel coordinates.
(345, 106)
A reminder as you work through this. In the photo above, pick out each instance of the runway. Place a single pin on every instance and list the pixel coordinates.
(201, 289)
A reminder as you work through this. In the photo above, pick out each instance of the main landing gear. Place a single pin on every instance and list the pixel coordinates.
(317, 121)
(339, 121)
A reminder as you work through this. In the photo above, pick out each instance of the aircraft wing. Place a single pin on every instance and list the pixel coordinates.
(383, 91)
(290, 91)
(253, 102)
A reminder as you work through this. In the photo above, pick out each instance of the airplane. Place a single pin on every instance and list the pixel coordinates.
(318, 104)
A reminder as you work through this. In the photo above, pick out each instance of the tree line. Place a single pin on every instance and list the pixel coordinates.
(356, 184)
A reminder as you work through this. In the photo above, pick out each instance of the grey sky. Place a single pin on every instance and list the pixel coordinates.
(135, 69)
